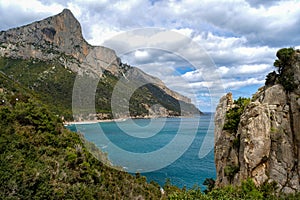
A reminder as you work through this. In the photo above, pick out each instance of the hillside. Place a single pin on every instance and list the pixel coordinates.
(47, 56)
(260, 138)
(40, 159)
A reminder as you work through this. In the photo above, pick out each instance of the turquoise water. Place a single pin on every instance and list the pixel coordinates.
(125, 141)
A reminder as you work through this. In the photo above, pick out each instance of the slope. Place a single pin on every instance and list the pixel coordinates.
(40, 159)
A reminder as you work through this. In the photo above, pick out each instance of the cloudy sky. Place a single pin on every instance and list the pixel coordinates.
(239, 37)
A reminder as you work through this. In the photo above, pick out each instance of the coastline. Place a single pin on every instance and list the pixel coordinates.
(68, 123)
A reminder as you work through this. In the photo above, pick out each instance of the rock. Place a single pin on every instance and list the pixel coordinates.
(224, 154)
(268, 136)
(255, 141)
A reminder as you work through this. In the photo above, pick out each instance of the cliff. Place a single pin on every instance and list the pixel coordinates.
(58, 41)
(264, 146)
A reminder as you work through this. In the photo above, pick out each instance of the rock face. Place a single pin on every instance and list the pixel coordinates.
(59, 38)
(58, 34)
(266, 145)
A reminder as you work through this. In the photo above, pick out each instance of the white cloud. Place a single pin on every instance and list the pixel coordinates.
(185, 31)
(20, 12)
(223, 70)
(141, 54)
(253, 69)
(234, 84)
(27, 6)
(193, 76)
(101, 32)
(241, 37)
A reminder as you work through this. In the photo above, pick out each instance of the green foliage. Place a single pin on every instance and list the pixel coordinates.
(284, 64)
(284, 56)
(271, 78)
(247, 190)
(40, 159)
(49, 82)
(169, 188)
(209, 183)
(52, 83)
(191, 194)
(231, 170)
(234, 114)
(236, 142)
(287, 81)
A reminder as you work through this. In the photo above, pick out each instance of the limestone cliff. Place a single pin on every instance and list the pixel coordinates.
(266, 145)
(58, 39)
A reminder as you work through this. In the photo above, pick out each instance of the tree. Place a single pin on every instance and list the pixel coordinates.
(284, 58)
(284, 65)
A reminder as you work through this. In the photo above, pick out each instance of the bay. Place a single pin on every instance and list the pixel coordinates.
(145, 136)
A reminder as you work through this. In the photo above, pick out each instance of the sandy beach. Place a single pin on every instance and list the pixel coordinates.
(93, 121)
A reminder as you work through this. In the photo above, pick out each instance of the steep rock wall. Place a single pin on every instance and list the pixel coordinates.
(265, 146)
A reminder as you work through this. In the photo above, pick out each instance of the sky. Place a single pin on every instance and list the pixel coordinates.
(239, 38)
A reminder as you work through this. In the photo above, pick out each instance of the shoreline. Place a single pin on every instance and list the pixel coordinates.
(68, 123)
(92, 121)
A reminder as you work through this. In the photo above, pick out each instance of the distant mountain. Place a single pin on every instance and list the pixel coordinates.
(46, 56)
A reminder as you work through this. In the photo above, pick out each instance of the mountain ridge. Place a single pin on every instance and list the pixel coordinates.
(59, 39)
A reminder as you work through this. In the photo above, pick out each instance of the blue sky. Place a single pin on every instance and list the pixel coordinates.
(241, 37)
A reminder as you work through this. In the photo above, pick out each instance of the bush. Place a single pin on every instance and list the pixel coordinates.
(231, 170)
(233, 115)
(209, 183)
(42, 160)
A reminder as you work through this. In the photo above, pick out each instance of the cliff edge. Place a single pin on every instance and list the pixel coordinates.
(260, 138)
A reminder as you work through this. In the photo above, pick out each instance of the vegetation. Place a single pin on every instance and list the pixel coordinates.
(234, 114)
(247, 190)
(210, 184)
(283, 63)
(284, 56)
(52, 83)
(231, 170)
(40, 159)
(47, 81)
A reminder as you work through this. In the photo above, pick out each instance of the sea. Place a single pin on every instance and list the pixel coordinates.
(178, 149)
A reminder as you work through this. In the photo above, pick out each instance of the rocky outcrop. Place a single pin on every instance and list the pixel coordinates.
(265, 147)
(46, 38)
(59, 39)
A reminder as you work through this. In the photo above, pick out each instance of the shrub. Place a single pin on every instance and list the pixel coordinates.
(231, 170)
(234, 114)
(209, 183)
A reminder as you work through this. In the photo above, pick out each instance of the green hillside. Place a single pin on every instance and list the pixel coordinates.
(52, 83)
(40, 159)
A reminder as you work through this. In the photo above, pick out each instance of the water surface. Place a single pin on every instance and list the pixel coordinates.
(147, 136)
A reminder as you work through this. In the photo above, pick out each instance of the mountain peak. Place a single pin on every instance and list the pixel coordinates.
(67, 18)
(59, 33)
(67, 11)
